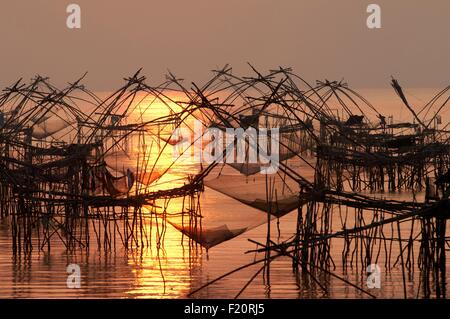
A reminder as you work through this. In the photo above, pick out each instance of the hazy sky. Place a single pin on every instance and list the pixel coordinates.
(317, 38)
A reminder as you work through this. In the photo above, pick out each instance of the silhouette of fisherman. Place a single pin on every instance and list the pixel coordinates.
(382, 121)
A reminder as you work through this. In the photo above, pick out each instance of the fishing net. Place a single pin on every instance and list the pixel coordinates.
(140, 169)
(215, 225)
(263, 198)
(211, 237)
(49, 127)
(106, 182)
(275, 194)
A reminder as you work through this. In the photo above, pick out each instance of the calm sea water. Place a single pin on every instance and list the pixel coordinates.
(174, 271)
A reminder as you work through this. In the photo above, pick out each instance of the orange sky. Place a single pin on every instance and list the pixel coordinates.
(318, 38)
